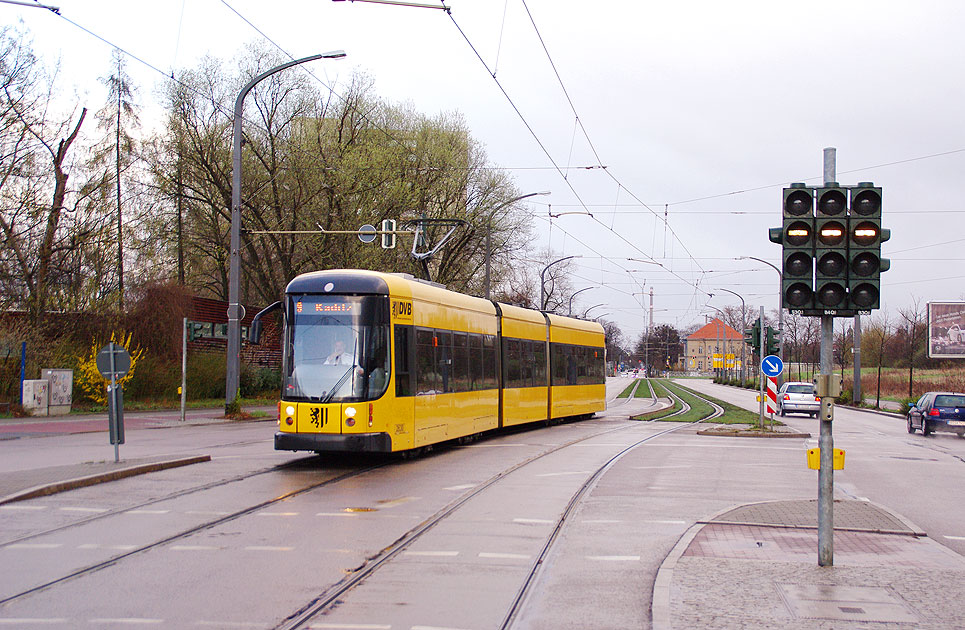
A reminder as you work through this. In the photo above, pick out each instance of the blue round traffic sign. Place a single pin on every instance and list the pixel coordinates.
(772, 365)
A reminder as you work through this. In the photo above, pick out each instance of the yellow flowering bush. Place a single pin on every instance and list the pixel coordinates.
(89, 380)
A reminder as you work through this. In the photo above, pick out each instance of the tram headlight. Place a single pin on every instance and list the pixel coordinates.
(350, 412)
(290, 415)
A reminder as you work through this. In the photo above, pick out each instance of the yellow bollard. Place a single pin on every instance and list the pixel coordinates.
(814, 459)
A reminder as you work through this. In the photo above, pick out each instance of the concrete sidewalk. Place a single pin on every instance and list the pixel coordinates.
(755, 566)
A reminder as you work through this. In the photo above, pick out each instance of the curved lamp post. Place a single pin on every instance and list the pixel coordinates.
(489, 231)
(542, 280)
(235, 314)
(569, 312)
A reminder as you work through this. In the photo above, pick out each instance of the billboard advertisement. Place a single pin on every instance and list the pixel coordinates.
(946, 330)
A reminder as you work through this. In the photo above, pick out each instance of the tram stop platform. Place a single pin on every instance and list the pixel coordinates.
(756, 566)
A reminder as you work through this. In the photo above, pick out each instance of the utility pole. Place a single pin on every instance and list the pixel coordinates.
(826, 441)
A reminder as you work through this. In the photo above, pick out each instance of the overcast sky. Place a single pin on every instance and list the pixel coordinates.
(700, 112)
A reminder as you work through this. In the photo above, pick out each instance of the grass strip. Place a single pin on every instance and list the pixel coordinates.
(626, 393)
(698, 408)
(644, 390)
(660, 392)
(734, 414)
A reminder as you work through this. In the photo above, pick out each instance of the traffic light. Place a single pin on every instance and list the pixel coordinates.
(797, 238)
(865, 236)
(752, 336)
(831, 249)
(388, 240)
(772, 340)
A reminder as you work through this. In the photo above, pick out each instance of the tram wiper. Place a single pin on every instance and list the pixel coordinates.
(338, 384)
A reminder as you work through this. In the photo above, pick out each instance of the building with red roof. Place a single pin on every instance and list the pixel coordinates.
(715, 345)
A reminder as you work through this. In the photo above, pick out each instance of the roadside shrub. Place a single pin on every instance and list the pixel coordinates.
(88, 380)
(256, 381)
(157, 379)
(906, 405)
(846, 397)
(206, 375)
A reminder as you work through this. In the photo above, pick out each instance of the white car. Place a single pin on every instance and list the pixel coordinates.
(798, 397)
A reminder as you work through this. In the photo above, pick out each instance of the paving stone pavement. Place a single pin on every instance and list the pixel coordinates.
(755, 566)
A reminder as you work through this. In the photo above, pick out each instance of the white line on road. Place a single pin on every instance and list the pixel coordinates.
(34, 546)
(27, 621)
(955, 537)
(278, 514)
(464, 486)
(534, 521)
(503, 556)
(433, 554)
(192, 548)
(267, 548)
(25, 508)
(84, 509)
(614, 558)
(147, 512)
(111, 547)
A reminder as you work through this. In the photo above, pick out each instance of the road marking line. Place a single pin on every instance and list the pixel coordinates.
(504, 556)
(615, 558)
(35, 546)
(147, 511)
(112, 547)
(560, 474)
(433, 554)
(127, 620)
(396, 502)
(83, 509)
(267, 548)
(955, 537)
(350, 626)
(25, 508)
(278, 514)
(534, 521)
(31, 620)
(465, 486)
(192, 548)
(353, 514)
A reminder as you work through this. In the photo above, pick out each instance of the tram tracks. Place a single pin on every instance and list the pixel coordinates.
(303, 617)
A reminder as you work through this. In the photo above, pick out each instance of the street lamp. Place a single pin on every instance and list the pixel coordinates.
(489, 231)
(743, 323)
(780, 310)
(569, 312)
(235, 315)
(542, 281)
(587, 311)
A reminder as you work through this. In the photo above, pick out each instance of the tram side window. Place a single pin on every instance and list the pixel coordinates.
(489, 362)
(539, 365)
(403, 368)
(511, 362)
(460, 362)
(428, 380)
(475, 363)
(444, 359)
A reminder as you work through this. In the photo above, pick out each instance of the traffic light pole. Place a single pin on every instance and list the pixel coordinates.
(826, 440)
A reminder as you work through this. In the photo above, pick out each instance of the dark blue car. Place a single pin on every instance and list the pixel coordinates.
(938, 411)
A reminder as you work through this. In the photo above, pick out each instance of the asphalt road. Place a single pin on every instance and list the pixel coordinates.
(242, 543)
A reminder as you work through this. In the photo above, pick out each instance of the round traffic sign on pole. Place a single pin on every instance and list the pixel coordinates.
(121, 361)
(367, 233)
(772, 365)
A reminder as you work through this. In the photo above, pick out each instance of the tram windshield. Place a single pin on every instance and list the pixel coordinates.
(337, 348)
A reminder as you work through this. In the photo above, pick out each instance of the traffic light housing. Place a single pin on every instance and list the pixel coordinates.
(797, 238)
(831, 249)
(772, 340)
(752, 336)
(865, 236)
(388, 240)
(831, 259)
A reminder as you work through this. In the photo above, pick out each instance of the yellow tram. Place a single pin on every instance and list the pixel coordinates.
(382, 362)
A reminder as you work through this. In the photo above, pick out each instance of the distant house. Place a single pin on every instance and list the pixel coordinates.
(715, 345)
(208, 331)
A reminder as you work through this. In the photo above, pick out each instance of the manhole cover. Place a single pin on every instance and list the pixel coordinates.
(845, 603)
